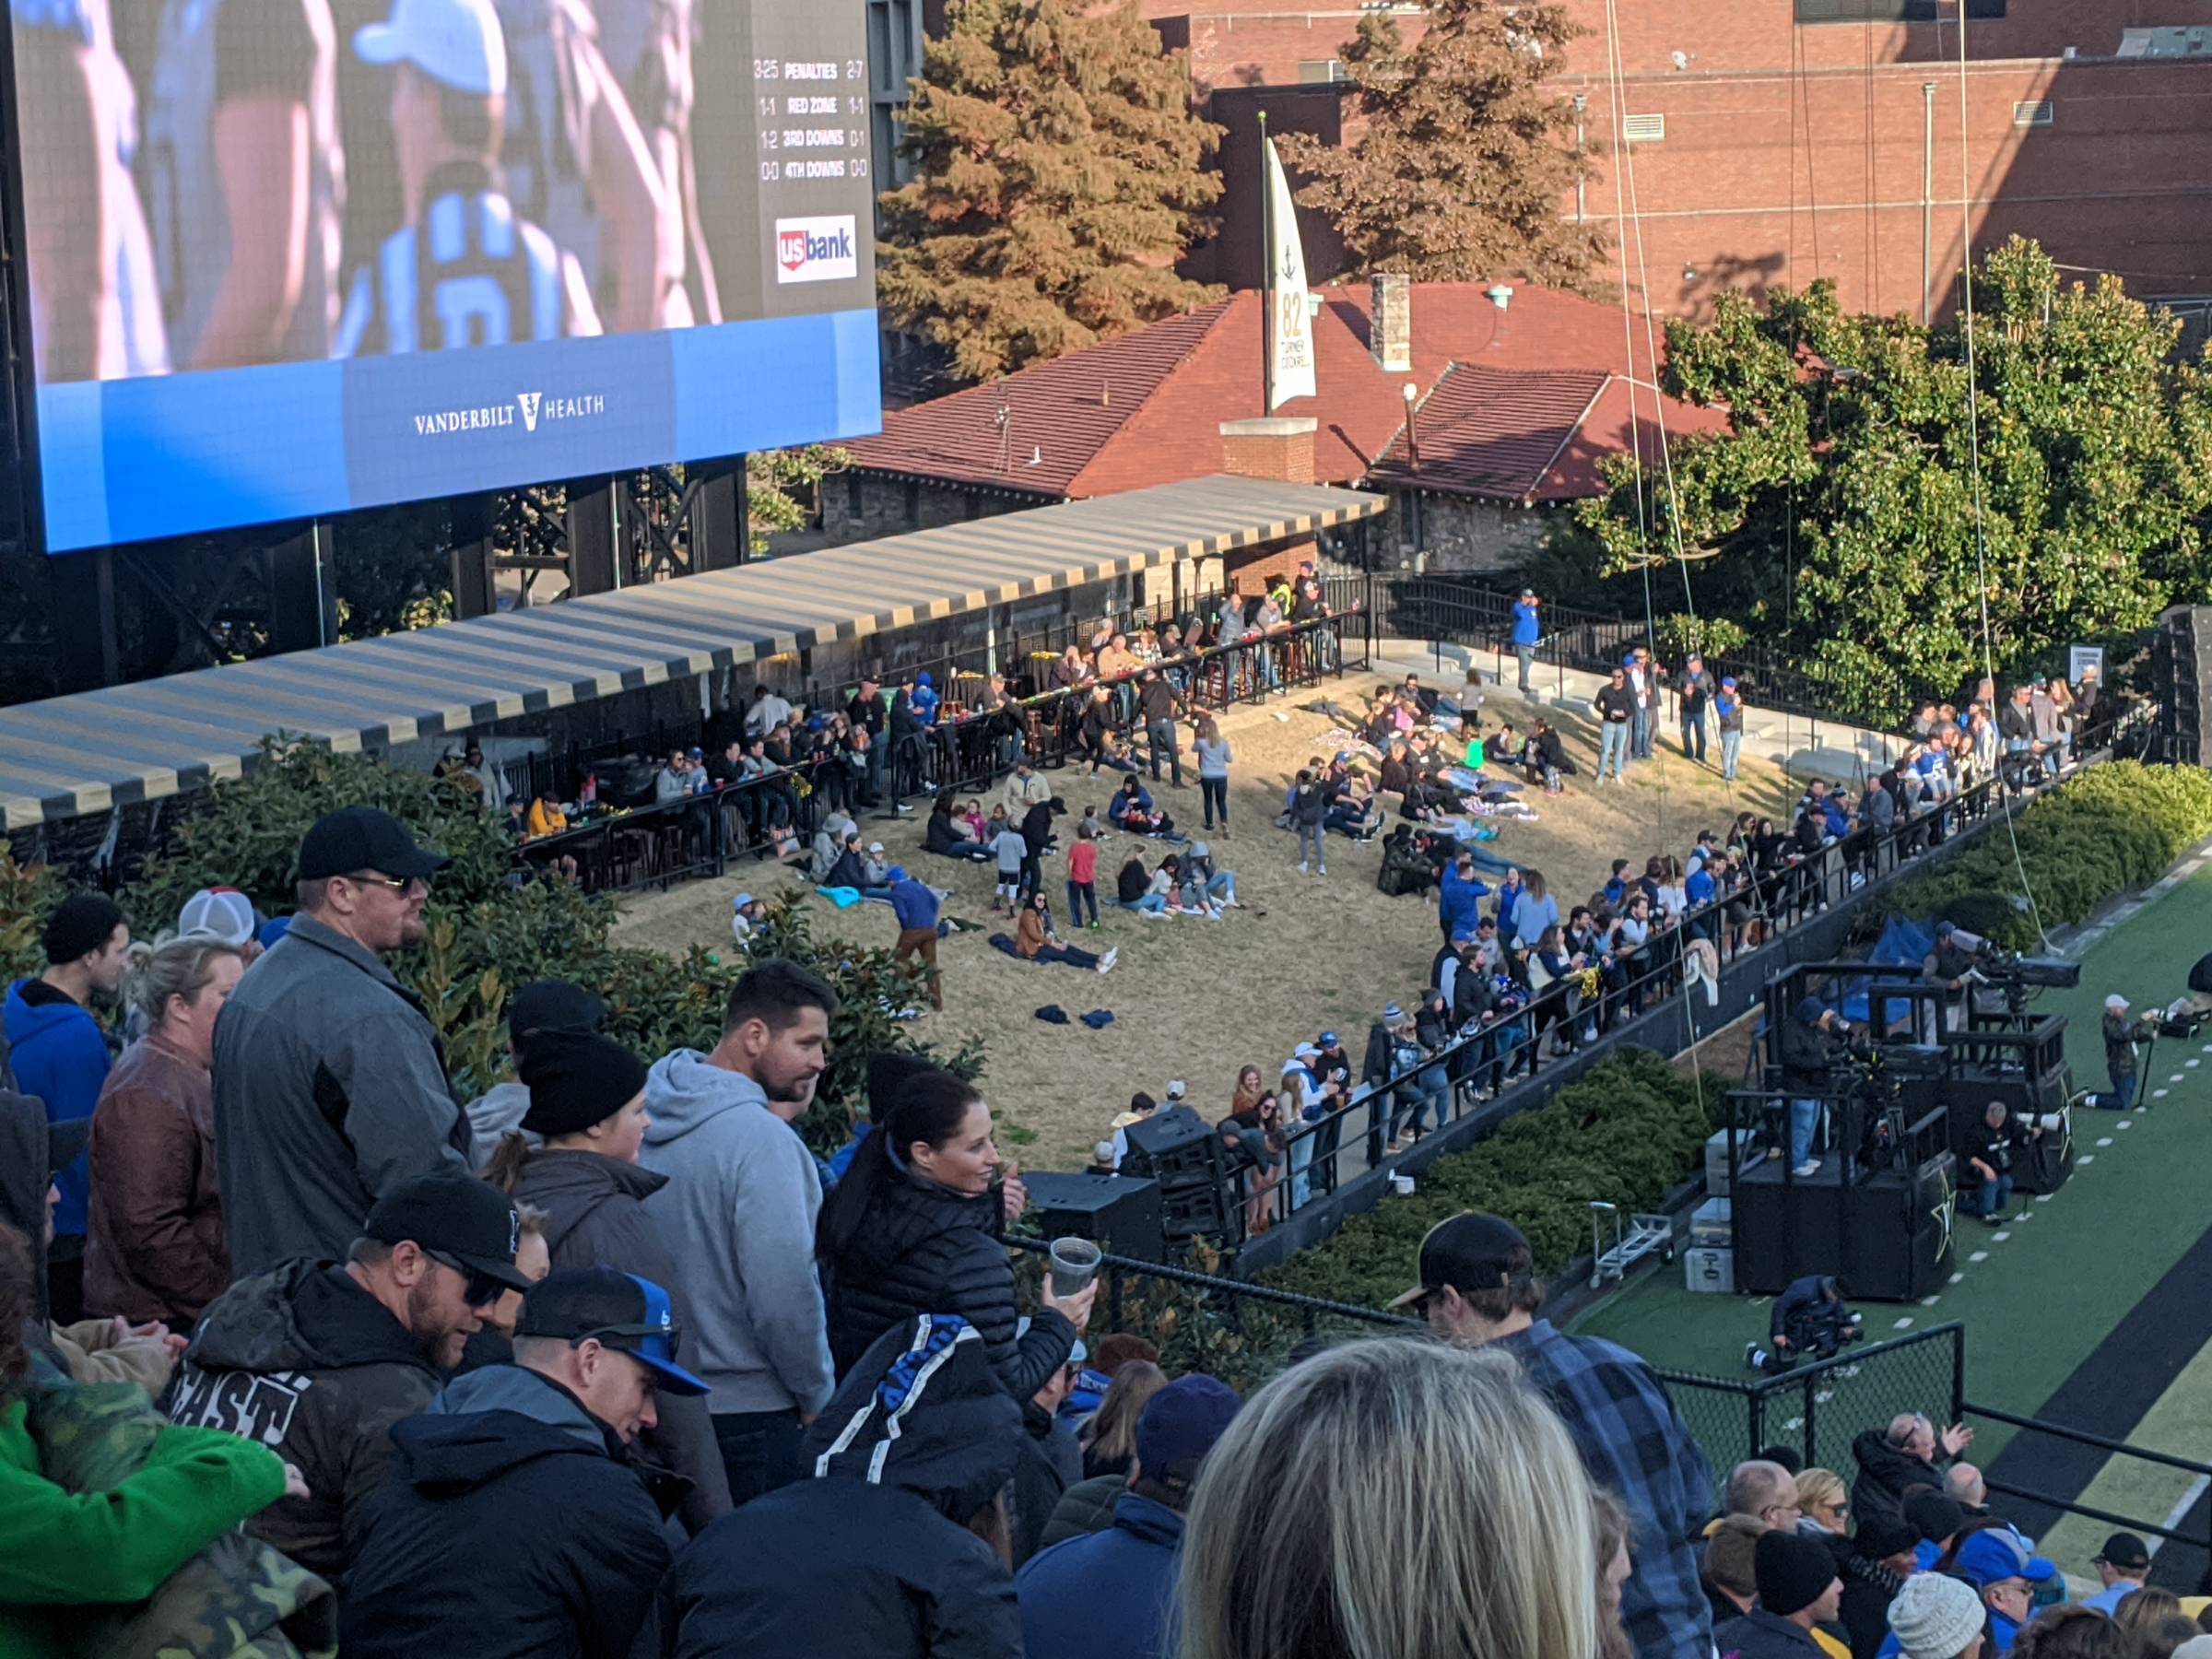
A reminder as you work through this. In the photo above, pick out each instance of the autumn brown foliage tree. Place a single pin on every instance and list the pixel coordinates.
(1059, 176)
(1466, 154)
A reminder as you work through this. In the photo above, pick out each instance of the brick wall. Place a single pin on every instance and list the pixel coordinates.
(1793, 153)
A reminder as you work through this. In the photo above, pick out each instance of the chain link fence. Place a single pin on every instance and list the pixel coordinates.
(1818, 1410)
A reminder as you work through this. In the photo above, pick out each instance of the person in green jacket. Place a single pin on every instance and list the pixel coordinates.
(64, 1549)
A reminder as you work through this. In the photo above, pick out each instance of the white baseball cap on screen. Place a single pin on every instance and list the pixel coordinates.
(457, 44)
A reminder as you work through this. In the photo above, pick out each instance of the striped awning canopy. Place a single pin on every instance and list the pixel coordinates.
(69, 755)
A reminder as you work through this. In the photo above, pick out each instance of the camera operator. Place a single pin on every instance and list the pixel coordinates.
(2121, 1036)
(1809, 1322)
(1810, 1044)
(1985, 1161)
(1951, 966)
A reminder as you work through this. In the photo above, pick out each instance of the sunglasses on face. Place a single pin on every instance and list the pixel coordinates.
(398, 884)
(482, 1287)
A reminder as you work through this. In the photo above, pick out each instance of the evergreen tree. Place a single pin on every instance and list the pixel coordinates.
(1059, 176)
(1845, 493)
(1462, 153)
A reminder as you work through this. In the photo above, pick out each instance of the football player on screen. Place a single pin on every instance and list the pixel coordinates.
(245, 180)
(95, 304)
(577, 161)
(465, 269)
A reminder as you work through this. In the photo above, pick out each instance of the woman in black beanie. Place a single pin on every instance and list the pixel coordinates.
(587, 1107)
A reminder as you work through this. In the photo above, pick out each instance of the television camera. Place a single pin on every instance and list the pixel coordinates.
(2011, 977)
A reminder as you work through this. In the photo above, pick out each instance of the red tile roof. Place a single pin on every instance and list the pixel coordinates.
(1532, 436)
(1147, 408)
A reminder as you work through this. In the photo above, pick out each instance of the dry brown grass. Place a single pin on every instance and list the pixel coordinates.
(1195, 999)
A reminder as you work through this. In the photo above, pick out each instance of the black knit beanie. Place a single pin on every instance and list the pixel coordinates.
(1791, 1570)
(576, 1079)
(81, 924)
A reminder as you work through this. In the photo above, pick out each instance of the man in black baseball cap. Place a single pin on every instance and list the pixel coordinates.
(516, 1521)
(2123, 1563)
(319, 1359)
(1478, 1287)
(329, 1087)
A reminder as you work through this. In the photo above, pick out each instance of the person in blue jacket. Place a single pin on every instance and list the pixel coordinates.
(61, 1055)
(1459, 893)
(1528, 627)
(1110, 1595)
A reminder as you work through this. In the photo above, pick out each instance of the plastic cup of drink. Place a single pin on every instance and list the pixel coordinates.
(1074, 1265)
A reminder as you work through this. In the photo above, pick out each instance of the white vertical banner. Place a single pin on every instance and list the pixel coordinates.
(1292, 335)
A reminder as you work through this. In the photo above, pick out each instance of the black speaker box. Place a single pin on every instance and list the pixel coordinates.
(1120, 1213)
(1785, 1229)
(1897, 1231)
(1181, 1151)
(1887, 1235)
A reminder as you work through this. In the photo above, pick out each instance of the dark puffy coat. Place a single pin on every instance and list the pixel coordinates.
(1886, 1473)
(311, 1365)
(1086, 1507)
(923, 1249)
(512, 1526)
(866, 1556)
(596, 1216)
(1049, 1462)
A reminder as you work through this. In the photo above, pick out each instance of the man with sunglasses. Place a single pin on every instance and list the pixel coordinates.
(450, 1563)
(319, 1359)
(329, 1088)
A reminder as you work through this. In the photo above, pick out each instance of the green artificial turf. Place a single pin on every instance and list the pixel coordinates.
(2063, 1277)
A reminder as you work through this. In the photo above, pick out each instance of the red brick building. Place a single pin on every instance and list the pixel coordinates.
(1782, 140)
(1518, 394)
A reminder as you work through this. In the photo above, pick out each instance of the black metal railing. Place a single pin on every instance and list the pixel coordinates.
(636, 841)
(1509, 1051)
(2033, 1443)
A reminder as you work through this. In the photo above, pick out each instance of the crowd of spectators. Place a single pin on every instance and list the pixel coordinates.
(608, 1362)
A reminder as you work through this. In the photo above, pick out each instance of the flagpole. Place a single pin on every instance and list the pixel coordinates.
(1266, 276)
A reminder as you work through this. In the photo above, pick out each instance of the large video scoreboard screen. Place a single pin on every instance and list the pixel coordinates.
(287, 257)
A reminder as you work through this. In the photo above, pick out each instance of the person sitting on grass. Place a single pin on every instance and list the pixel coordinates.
(1218, 886)
(977, 825)
(1185, 895)
(948, 837)
(1132, 890)
(1132, 809)
(1034, 940)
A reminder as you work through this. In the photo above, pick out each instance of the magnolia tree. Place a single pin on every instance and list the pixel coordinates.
(1866, 514)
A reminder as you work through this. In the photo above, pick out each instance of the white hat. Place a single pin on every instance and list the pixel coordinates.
(456, 42)
(874, 846)
(223, 912)
(1104, 1152)
(1306, 1050)
(1175, 1090)
(1935, 1616)
(2116, 1001)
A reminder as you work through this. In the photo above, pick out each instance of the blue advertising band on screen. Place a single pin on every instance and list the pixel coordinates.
(124, 460)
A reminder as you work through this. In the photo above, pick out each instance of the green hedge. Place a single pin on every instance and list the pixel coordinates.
(2113, 828)
(1626, 1131)
(489, 935)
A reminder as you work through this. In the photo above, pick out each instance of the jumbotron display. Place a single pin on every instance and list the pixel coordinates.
(288, 257)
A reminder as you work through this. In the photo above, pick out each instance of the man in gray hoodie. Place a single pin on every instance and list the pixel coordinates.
(740, 1206)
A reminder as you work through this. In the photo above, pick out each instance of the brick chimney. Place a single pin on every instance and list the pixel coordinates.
(1390, 323)
(1276, 447)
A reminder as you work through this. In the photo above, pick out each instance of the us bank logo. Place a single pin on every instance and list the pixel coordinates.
(533, 410)
(823, 249)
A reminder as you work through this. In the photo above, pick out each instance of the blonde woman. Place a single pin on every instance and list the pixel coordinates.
(1420, 1501)
(1824, 1503)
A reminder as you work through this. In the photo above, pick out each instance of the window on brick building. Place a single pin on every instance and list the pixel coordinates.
(1888, 11)
(1318, 71)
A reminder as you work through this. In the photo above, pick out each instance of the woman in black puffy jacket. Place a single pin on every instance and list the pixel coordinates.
(914, 1228)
